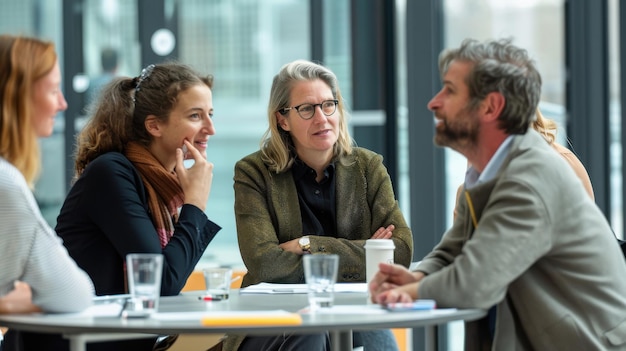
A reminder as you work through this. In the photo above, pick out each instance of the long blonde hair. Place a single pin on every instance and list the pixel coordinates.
(23, 61)
(277, 146)
(546, 127)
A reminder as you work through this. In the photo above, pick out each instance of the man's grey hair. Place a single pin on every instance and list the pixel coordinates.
(499, 66)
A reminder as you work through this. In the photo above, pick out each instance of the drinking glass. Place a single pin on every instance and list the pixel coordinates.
(144, 272)
(320, 273)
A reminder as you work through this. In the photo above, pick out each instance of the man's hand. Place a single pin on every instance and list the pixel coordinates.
(394, 283)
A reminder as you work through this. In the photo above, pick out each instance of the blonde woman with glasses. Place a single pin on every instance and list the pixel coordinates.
(309, 190)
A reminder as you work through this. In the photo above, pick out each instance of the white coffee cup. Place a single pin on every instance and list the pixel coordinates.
(377, 251)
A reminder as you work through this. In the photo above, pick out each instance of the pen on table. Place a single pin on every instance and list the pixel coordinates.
(209, 298)
(283, 290)
(106, 299)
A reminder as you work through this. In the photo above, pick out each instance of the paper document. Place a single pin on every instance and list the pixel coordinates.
(272, 288)
(348, 309)
(111, 309)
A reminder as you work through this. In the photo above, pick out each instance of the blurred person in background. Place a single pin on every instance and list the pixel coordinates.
(109, 64)
(548, 129)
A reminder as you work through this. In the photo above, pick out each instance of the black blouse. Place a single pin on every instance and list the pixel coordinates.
(317, 200)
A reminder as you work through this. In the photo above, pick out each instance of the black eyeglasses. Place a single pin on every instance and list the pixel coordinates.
(306, 111)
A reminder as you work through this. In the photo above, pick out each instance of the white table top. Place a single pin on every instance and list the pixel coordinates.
(351, 312)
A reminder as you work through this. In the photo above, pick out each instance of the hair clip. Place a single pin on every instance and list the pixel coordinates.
(145, 73)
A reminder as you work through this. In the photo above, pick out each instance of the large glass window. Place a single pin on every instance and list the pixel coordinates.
(110, 44)
(243, 44)
(234, 41)
(615, 109)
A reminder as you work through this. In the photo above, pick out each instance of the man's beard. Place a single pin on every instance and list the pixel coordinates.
(458, 134)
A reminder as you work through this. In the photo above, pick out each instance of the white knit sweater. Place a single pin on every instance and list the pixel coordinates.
(31, 251)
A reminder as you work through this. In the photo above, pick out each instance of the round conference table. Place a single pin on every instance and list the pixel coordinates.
(187, 314)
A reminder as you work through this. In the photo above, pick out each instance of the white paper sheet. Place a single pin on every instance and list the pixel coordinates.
(273, 288)
(347, 309)
(111, 309)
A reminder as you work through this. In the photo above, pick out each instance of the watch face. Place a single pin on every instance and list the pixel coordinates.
(305, 243)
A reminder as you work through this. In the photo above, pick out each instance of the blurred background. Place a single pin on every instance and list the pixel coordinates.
(385, 55)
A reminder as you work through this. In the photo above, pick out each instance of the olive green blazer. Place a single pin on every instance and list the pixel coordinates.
(267, 213)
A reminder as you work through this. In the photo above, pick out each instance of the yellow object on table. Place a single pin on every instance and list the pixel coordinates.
(253, 318)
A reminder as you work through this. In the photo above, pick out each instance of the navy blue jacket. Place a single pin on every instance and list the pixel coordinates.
(106, 216)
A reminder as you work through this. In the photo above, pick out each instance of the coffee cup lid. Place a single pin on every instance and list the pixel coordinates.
(379, 244)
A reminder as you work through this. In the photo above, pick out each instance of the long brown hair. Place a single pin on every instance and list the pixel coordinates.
(23, 61)
(120, 113)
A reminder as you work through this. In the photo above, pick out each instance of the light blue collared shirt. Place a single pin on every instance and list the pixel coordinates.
(473, 178)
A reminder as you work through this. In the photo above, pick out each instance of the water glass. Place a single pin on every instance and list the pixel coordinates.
(320, 273)
(144, 272)
(217, 282)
